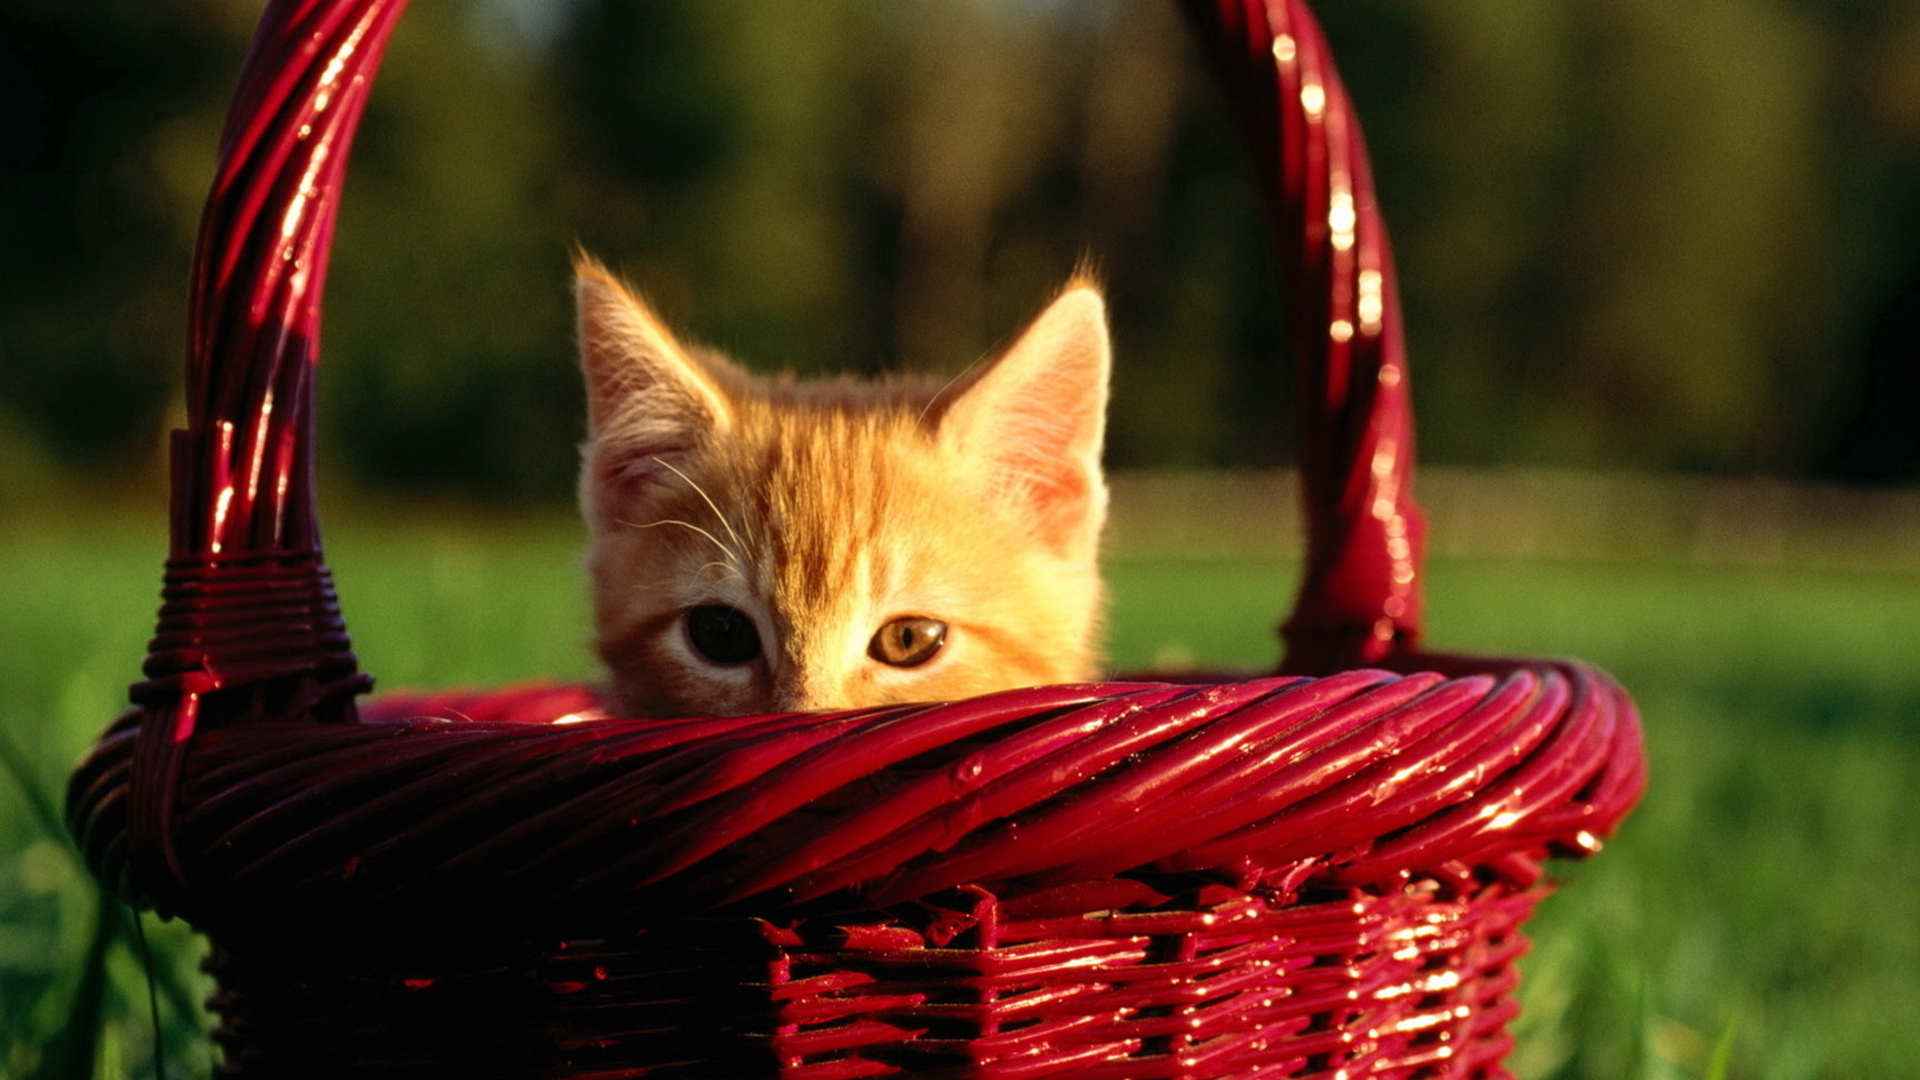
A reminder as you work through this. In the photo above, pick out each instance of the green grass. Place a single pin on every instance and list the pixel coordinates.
(1757, 918)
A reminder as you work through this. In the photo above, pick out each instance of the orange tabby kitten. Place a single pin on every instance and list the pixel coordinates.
(762, 546)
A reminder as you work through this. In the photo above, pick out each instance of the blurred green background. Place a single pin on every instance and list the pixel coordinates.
(1662, 272)
(1630, 232)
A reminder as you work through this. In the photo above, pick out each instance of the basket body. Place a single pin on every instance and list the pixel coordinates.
(1192, 882)
(1215, 983)
(1321, 874)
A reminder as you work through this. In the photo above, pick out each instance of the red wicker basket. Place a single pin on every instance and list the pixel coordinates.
(1316, 874)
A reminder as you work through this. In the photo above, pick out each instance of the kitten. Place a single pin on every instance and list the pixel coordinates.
(766, 545)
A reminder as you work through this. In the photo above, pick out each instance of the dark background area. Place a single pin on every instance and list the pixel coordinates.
(1631, 233)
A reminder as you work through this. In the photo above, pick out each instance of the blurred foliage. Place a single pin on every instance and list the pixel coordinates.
(1631, 232)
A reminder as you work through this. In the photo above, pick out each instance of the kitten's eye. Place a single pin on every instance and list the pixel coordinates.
(908, 642)
(722, 634)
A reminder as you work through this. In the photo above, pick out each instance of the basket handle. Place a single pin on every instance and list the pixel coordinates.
(249, 622)
(1359, 600)
(249, 609)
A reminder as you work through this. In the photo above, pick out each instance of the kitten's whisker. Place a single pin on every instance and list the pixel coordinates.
(729, 552)
(731, 572)
(935, 399)
(711, 505)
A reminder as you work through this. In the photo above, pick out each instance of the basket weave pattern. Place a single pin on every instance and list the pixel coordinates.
(1215, 983)
(1316, 874)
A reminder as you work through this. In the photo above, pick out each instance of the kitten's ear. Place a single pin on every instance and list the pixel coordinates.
(648, 399)
(1036, 417)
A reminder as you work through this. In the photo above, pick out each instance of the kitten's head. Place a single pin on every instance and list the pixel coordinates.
(760, 546)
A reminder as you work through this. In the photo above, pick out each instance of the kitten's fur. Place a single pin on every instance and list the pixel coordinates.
(824, 510)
